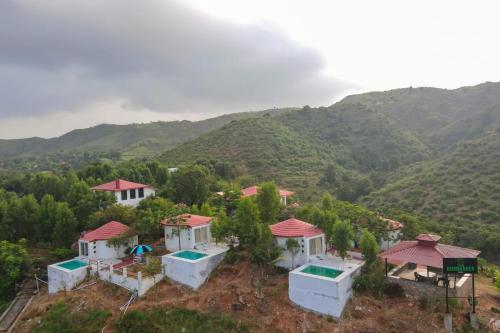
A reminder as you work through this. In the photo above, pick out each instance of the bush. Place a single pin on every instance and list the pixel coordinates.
(372, 282)
(61, 319)
(161, 320)
(62, 253)
(393, 290)
(423, 303)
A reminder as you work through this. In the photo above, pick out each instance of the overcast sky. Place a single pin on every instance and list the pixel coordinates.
(73, 64)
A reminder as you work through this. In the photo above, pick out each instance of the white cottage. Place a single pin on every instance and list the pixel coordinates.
(393, 235)
(127, 193)
(311, 240)
(93, 245)
(194, 232)
(253, 190)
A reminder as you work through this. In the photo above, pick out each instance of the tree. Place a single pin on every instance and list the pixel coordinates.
(264, 249)
(293, 247)
(65, 227)
(23, 216)
(124, 214)
(330, 174)
(191, 185)
(246, 219)
(326, 202)
(343, 235)
(14, 262)
(220, 226)
(410, 226)
(268, 201)
(369, 247)
(206, 210)
(48, 207)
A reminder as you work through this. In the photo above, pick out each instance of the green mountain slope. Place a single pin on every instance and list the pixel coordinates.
(426, 111)
(295, 147)
(135, 140)
(460, 187)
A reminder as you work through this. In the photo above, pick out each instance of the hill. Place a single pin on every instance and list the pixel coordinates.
(131, 141)
(460, 190)
(296, 147)
(425, 111)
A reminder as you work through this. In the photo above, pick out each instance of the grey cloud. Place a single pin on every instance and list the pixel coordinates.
(164, 56)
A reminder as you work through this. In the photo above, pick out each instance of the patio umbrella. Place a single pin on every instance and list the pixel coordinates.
(140, 249)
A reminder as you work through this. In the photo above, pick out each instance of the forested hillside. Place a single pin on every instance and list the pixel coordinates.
(131, 141)
(425, 111)
(297, 147)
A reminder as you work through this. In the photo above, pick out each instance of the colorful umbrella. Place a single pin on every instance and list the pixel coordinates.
(140, 249)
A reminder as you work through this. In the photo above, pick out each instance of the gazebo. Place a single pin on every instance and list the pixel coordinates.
(426, 251)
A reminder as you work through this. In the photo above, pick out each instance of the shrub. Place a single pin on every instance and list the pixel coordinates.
(61, 319)
(393, 290)
(423, 303)
(62, 253)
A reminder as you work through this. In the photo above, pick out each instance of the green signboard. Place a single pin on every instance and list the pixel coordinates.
(459, 265)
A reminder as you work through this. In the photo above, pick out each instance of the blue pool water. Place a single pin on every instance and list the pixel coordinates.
(190, 255)
(73, 264)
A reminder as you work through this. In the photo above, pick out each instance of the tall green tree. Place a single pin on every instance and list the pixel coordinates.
(268, 202)
(14, 262)
(326, 202)
(65, 228)
(246, 219)
(343, 235)
(48, 210)
(191, 185)
(369, 247)
(121, 213)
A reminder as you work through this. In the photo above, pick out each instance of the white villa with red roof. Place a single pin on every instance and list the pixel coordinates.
(311, 240)
(252, 191)
(93, 245)
(127, 193)
(194, 232)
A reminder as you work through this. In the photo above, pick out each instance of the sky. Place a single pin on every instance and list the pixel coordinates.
(74, 64)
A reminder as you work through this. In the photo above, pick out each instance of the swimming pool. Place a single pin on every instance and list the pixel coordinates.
(190, 255)
(322, 271)
(72, 264)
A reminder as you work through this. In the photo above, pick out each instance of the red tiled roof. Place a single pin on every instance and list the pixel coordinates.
(119, 185)
(421, 253)
(109, 230)
(294, 228)
(252, 190)
(392, 224)
(189, 220)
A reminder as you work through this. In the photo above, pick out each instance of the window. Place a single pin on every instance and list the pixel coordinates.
(316, 246)
(124, 195)
(132, 194)
(201, 235)
(84, 249)
(141, 193)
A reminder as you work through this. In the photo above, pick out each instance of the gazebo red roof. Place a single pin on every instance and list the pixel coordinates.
(252, 190)
(294, 228)
(426, 250)
(188, 220)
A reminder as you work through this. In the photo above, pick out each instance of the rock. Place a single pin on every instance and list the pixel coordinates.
(241, 300)
(358, 312)
(410, 305)
(237, 306)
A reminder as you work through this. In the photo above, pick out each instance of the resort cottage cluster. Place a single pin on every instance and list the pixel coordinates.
(318, 279)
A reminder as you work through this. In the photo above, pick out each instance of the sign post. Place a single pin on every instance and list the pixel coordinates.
(461, 266)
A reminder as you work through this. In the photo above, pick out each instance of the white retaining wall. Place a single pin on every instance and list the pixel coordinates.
(64, 279)
(192, 273)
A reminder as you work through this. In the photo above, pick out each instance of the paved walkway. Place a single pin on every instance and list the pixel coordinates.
(9, 317)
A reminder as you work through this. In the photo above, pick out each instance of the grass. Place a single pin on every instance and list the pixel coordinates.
(161, 320)
(60, 318)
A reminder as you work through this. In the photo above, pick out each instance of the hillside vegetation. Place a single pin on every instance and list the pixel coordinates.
(131, 141)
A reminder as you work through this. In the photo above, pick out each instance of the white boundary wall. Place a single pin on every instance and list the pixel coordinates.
(322, 294)
(192, 273)
(61, 278)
